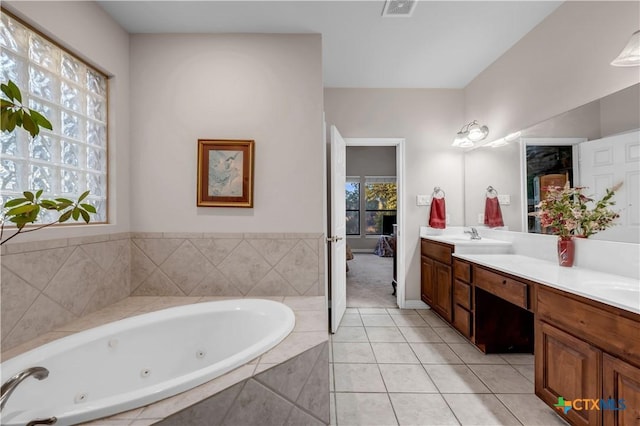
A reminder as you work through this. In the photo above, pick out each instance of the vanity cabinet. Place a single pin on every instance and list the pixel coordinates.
(436, 285)
(621, 381)
(566, 367)
(462, 298)
(587, 350)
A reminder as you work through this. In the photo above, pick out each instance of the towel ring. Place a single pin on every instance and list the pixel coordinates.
(437, 191)
(491, 191)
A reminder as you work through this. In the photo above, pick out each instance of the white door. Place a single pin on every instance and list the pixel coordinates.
(338, 229)
(605, 162)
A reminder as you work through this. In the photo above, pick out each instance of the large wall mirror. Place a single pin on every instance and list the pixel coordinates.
(595, 145)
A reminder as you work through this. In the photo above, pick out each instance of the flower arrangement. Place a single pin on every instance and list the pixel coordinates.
(567, 211)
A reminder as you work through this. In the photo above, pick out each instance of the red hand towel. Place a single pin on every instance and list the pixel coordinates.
(492, 213)
(438, 216)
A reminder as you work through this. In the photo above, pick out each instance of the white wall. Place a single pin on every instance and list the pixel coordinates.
(230, 86)
(88, 31)
(428, 119)
(561, 64)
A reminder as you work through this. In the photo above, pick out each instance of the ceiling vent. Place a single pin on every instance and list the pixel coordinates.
(399, 8)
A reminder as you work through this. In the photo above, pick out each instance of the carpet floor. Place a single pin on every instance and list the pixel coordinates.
(369, 282)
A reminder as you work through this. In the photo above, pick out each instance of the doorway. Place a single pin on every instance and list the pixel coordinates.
(368, 270)
(371, 210)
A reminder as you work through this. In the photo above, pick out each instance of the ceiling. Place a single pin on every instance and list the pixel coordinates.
(443, 44)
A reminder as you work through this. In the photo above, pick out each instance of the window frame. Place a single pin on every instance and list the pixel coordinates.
(355, 179)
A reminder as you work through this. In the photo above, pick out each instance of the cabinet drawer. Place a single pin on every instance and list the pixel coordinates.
(462, 270)
(436, 251)
(462, 294)
(612, 331)
(462, 320)
(499, 285)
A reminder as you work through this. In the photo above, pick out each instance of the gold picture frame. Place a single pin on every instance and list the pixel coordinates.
(225, 173)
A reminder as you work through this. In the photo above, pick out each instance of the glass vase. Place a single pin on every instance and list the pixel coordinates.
(566, 251)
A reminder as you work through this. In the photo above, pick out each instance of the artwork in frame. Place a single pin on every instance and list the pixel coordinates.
(225, 173)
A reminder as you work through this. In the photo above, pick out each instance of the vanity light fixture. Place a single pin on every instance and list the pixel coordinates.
(630, 55)
(469, 134)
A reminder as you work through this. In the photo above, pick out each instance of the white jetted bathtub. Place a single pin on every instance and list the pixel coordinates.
(140, 360)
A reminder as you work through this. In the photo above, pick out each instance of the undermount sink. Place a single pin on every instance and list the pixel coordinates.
(612, 289)
(465, 245)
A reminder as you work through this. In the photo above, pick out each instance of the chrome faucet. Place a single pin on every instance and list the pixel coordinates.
(474, 233)
(10, 385)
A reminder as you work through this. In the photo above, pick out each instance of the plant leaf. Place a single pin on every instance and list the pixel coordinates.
(29, 125)
(14, 89)
(12, 120)
(88, 207)
(15, 202)
(40, 120)
(75, 213)
(83, 196)
(49, 205)
(64, 200)
(29, 196)
(5, 89)
(39, 193)
(85, 216)
(65, 216)
(20, 210)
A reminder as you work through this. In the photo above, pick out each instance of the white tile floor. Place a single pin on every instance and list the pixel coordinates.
(392, 367)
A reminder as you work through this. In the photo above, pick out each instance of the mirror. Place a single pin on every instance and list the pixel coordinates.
(500, 167)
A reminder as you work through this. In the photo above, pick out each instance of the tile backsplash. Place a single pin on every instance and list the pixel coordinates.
(76, 276)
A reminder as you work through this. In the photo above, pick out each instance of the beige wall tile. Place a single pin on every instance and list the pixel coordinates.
(37, 268)
(16, 297)
(43, 316)
(75, 282)
(216, 250)
(186, 267)
(158, 249)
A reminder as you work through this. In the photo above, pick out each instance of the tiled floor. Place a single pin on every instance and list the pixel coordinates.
(392, 367)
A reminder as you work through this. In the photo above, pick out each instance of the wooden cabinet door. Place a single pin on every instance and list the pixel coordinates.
(570, 368)
(427, 288)
(443, 290)
(621, 389)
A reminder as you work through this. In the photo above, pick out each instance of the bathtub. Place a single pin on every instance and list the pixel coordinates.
(139, 360)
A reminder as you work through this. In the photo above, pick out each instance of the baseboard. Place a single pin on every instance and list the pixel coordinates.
(415, 304)
(361, 250)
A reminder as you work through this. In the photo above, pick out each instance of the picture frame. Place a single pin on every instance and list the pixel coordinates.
(225, 173)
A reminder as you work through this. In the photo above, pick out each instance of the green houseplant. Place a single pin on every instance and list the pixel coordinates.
(25, 210)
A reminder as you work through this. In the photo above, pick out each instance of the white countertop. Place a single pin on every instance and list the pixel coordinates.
(614, 290)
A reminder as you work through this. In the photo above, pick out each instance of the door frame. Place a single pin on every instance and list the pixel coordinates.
(524, 143)
(399, 143)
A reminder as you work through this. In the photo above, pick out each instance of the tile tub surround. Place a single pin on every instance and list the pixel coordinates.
(294, 374)
(49, 283)
(165, 264)
(76, 276)
(419, 371)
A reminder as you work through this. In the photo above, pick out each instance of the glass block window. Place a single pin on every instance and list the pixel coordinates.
(72, 158)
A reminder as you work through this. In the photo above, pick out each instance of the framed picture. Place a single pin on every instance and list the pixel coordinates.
(225, 173)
